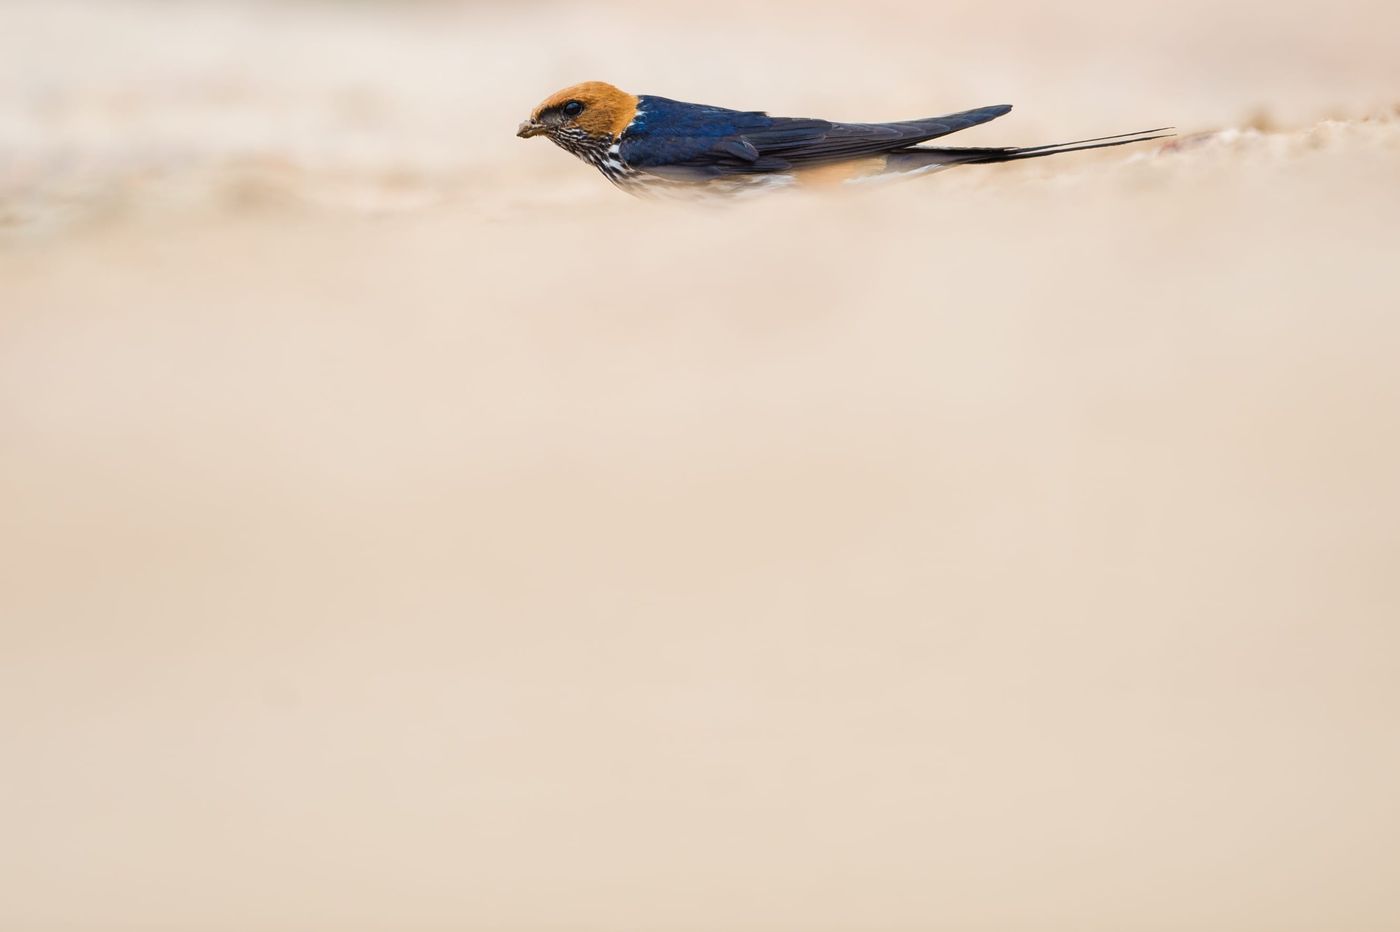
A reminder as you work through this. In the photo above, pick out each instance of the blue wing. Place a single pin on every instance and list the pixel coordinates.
(695, 141)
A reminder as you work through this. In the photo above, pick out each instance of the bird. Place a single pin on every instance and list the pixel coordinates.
(648, 145)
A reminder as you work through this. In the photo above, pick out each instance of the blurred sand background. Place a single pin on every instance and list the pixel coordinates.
(400, 529)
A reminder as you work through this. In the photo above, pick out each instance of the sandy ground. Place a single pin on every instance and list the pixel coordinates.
(402, 530)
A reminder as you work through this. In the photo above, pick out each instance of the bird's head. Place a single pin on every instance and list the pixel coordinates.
(593, 113)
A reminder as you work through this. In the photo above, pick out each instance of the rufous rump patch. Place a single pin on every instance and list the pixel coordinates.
(826, 176)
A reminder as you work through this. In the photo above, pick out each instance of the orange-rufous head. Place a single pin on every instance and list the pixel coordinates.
(595, 108)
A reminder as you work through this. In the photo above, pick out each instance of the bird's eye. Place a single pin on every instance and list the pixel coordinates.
(573, 108)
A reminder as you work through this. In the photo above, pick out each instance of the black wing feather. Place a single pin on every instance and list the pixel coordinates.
(756, 143)
(840, 141)
(805, 143)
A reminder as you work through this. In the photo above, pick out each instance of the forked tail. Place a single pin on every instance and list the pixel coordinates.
(917, 158)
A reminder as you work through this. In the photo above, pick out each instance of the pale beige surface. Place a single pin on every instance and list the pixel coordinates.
(402, 530)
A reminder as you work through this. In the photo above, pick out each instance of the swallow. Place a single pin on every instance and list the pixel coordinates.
(645, 144)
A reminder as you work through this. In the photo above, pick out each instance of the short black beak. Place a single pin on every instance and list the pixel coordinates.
(530, 128)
